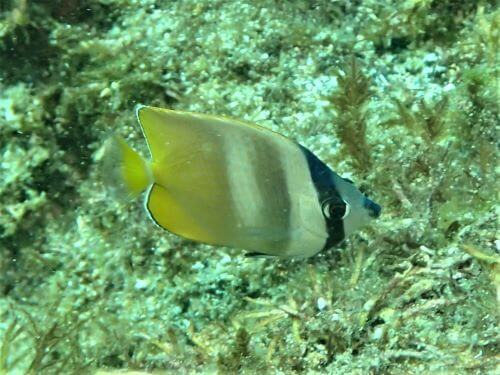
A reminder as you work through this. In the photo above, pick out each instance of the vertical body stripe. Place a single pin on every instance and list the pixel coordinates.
(258, 189)
(308, 234)
(324, 182)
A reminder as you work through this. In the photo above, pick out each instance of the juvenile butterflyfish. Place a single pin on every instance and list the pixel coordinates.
(227, 182)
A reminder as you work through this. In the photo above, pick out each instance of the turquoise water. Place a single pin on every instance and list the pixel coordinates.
(399, 97)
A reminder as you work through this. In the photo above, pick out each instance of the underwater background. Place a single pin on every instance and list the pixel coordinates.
(399, 96)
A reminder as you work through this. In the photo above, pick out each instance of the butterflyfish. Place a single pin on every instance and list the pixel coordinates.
(227, 182)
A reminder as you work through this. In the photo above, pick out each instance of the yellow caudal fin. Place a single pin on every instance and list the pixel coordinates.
(125, 172)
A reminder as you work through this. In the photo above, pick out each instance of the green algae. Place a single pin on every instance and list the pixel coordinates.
(88, 283)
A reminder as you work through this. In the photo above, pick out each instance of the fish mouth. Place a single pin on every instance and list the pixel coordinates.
(373, 208)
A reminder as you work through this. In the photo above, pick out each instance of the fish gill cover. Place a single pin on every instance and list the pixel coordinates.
(399, 96)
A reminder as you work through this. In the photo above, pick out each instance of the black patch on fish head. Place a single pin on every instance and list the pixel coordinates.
(334, 208)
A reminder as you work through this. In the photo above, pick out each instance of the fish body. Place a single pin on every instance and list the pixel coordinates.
(227, 182)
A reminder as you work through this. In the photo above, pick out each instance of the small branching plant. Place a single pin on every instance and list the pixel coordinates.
(349, 103)
(33, 346)
(9, 356)
(233, 361)
(421, 177)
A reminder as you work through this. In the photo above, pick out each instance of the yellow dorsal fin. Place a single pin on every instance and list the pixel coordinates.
(167, 132)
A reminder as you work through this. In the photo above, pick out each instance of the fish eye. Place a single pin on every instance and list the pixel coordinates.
(335, 210)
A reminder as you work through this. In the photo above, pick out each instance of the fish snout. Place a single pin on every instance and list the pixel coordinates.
(373, 208)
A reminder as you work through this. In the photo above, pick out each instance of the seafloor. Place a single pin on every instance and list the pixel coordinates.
(400, 96)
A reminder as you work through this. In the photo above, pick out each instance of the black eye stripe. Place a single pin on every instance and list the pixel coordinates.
(323, 179)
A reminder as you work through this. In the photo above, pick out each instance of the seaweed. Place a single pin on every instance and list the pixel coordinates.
(89, 284)
(232, 362)
(38, 346)
(349, 103)
(8, 360)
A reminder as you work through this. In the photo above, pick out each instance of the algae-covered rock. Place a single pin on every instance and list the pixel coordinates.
(399, 96)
